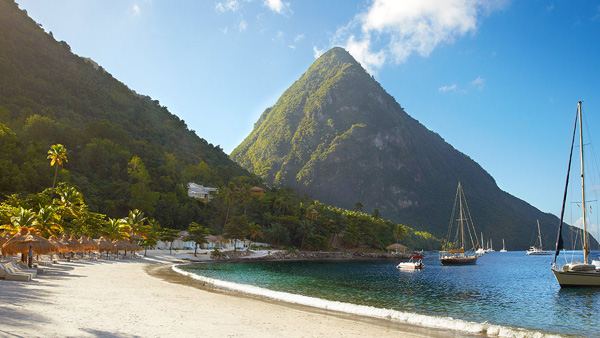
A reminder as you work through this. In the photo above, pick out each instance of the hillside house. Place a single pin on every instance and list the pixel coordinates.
(201, 192)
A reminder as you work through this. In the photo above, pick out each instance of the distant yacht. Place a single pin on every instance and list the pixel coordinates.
(537, 250)
(503, 247)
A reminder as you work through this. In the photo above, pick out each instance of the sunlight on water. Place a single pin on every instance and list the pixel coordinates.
(507, 294)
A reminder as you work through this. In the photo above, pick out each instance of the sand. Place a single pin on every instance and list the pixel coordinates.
(145, 298)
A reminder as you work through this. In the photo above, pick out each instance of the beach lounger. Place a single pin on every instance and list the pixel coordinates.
(24, 266)
(9, 274)
(17, 268)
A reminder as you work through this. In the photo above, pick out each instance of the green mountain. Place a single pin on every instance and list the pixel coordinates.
(338, 136)
(125, 150)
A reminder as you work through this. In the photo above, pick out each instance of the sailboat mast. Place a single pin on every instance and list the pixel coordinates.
(585, 243)
(462, 228)
(539, 234)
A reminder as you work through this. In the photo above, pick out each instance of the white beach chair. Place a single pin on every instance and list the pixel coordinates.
(9, 274)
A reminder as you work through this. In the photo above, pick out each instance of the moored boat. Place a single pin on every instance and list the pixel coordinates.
(538, 250)
(415, 263)
(572, 274)
(461, 229)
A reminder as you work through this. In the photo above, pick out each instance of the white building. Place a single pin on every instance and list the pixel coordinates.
(201, 192)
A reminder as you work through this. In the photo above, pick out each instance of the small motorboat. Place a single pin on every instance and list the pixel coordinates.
(415, 263)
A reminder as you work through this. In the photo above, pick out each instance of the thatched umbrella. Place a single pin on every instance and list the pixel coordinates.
(60, 247)
(88, 244)
(32, 242)
(121, 245)
(20, 235)
(396, 247)
(104, 245)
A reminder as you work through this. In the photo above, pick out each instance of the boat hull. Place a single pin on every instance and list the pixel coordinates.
(577, 278)
(411, 266)
(539, 252)
(468, 260)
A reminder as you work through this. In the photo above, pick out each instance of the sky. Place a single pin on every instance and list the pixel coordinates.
(498, 80)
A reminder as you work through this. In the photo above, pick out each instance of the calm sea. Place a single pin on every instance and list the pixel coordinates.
(506, 294)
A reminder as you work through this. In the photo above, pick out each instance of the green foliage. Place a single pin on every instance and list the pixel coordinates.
(337, 135)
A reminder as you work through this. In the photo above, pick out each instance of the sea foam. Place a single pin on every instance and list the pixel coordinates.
(448, 323)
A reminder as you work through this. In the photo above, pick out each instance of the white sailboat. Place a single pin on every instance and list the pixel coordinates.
(461, 229)
(503, 247)
(480, 251)
(576, 273)
(538, 250)
(491, 247)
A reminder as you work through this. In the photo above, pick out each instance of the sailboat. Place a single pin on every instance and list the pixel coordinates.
(576, 273)
(537, 250)
(460, 231)
(503, 247)
(480, 251)
(491, 247)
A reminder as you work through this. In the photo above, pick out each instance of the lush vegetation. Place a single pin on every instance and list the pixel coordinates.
(337, 135)
(126, 153)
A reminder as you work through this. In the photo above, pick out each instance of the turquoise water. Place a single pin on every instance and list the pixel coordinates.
(508, 289)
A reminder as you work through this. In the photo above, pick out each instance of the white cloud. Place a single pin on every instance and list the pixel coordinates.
(242, 25)
(478, 83)
(230, 5)
(136, 10)
(299, 37)
(396, 29)
(317, 52)
(446, 89)
(278, 6)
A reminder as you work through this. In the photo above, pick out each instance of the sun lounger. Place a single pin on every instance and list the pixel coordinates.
(9, 274)
(17, 268)
(24, 266)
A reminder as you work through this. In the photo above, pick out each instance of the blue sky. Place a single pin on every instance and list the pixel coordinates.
(499, 80)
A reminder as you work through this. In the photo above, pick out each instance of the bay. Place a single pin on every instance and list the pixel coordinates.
(506, 289)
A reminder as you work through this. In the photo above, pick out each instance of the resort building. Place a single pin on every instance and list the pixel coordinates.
(258, 191)
(201, 192)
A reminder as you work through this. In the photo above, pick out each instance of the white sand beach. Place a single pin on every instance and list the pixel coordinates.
(145, 298)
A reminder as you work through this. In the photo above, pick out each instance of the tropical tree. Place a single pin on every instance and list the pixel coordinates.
(229, 194)
(376, 214)
(113, 229)
(254, 230)
(197, 234)
(245, 195)
(57, 155)
(47, 221)
(19, 217)
(168, 236)
(358, 207)
(134, 223)
(305, 226)
(399, 232)
(149, 242)
(237, 229)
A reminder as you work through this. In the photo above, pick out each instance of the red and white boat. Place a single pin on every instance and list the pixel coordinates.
(415, 263)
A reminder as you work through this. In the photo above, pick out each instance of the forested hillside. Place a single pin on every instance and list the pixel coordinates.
(124, 150)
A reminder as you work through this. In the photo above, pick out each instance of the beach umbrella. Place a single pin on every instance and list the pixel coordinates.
(121, 245)
(88, 244)
(396, 246)
(20, 235)
(31, 242)
(75, 245)
(60, 247)
(104, 245)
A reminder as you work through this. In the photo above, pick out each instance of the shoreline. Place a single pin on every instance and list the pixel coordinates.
(124, 299)
(144, 297)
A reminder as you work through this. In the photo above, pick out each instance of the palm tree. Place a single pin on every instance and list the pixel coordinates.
(134, 223)
(57, 154)
(358, 207)
(229, 193)
(245, 195)
(254, 231)
(113, 229)
(47, 221)
(20, 217)
(376, 214)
